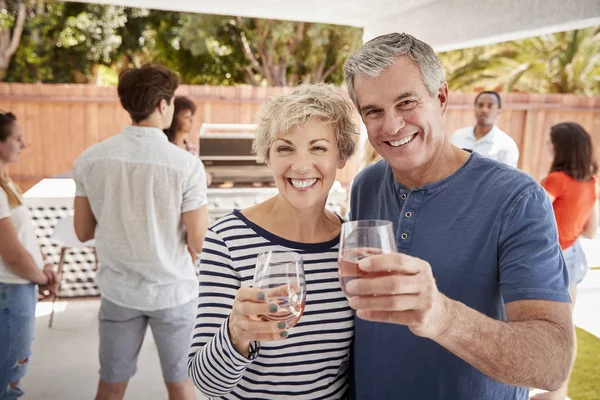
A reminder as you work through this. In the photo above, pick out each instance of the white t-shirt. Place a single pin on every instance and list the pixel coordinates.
(496, 144)
(138, 185)
(21, 219)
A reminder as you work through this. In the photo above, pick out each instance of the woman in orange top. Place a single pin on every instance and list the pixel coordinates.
(573, 189)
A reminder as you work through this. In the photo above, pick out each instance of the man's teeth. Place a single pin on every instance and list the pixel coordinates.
(400, 142)
(302, 184)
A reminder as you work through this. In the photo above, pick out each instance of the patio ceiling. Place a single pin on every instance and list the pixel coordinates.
(444, 24)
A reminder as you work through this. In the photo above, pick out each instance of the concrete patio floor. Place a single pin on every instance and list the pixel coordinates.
(64, 364)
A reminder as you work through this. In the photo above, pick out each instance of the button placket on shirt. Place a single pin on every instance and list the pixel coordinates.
(406, 224)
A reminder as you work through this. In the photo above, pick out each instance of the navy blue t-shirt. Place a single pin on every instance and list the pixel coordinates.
(489, 234)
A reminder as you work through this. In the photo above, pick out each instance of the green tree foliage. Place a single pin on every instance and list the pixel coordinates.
(565, 62)
(276, 53)
(75, 42)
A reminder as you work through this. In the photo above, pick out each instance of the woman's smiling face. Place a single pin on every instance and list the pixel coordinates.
(304, 163)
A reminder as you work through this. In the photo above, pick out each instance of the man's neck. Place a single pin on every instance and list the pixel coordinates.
(482, 130)
(443, 164)
(151, 122)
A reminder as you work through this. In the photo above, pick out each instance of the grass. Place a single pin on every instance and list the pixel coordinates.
(585, 380)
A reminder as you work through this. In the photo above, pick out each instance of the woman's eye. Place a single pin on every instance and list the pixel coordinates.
(319, 148)
(283, 149)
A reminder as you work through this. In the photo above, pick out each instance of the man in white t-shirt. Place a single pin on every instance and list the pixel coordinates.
(486, 138)
(144, 202)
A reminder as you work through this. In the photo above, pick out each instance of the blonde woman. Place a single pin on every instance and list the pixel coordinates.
(21, 267)
(305, 137)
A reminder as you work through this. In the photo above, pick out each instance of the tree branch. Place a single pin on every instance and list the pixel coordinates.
(331, 69)
(248, 50)
(17, 31)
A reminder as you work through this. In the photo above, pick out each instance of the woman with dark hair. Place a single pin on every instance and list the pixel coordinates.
(21, 267)
(573, 189)
(179, 131)
(183, 118)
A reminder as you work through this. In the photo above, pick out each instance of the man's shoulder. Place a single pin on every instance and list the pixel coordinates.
(99, 150)
(502, 178)
(505, 138)
(462, 137)
(467, 130)
(371, 174)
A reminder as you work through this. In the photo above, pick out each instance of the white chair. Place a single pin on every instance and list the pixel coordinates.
(64, 234)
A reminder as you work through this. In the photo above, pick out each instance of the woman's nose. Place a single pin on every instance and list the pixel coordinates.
(301, 164)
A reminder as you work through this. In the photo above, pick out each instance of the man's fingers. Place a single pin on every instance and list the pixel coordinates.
(393, 284)
(392, 262)
(387, 303)
(408, 318)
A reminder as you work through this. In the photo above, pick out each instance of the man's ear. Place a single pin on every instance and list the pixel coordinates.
(442, 96)
(162, 106)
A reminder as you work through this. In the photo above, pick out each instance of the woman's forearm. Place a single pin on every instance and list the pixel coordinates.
(23, 265)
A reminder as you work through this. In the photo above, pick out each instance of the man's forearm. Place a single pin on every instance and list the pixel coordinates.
(533, 353)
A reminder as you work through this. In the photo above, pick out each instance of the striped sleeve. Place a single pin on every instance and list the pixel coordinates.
(214, 364)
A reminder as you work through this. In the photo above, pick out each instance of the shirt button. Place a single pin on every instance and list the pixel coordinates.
(403, 196)
(404, 236)
(408, 214)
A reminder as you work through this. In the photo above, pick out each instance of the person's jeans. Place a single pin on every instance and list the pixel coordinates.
(576, 262)
(17, 328)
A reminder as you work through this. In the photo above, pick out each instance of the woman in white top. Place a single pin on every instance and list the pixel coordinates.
(21, 267)
(305, 137)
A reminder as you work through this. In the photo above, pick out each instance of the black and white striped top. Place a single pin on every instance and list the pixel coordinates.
(311, 363)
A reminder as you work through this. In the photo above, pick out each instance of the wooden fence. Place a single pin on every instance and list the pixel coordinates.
(60, 121)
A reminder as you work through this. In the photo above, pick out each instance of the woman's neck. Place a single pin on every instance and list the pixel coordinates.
(181, 138)
(312, 225)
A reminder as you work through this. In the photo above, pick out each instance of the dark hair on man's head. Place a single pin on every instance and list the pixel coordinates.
(573, 151)
(492, 93)
(142, 89)
(6, 121)
(182, 104)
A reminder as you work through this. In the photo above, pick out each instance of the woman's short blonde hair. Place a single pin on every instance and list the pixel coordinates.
(307, 102)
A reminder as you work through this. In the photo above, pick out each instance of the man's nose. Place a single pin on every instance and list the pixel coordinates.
(393, 124)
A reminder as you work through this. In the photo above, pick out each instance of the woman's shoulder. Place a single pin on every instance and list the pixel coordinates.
(232, 221)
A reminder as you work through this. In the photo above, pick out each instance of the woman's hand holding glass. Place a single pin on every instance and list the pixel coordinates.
(274, 304)
(246, 323)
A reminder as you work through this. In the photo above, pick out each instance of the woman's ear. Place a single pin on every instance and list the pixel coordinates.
(341, 163)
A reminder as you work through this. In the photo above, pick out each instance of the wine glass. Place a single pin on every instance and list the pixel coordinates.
(281, 276)
(360, 239)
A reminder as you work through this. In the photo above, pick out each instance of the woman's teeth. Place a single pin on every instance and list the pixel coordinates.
(401, 142)
(302, 183)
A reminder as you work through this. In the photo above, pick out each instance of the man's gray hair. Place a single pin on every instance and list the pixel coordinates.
(380, 53)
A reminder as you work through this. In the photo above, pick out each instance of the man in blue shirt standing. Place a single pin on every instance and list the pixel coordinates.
(474, 304)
